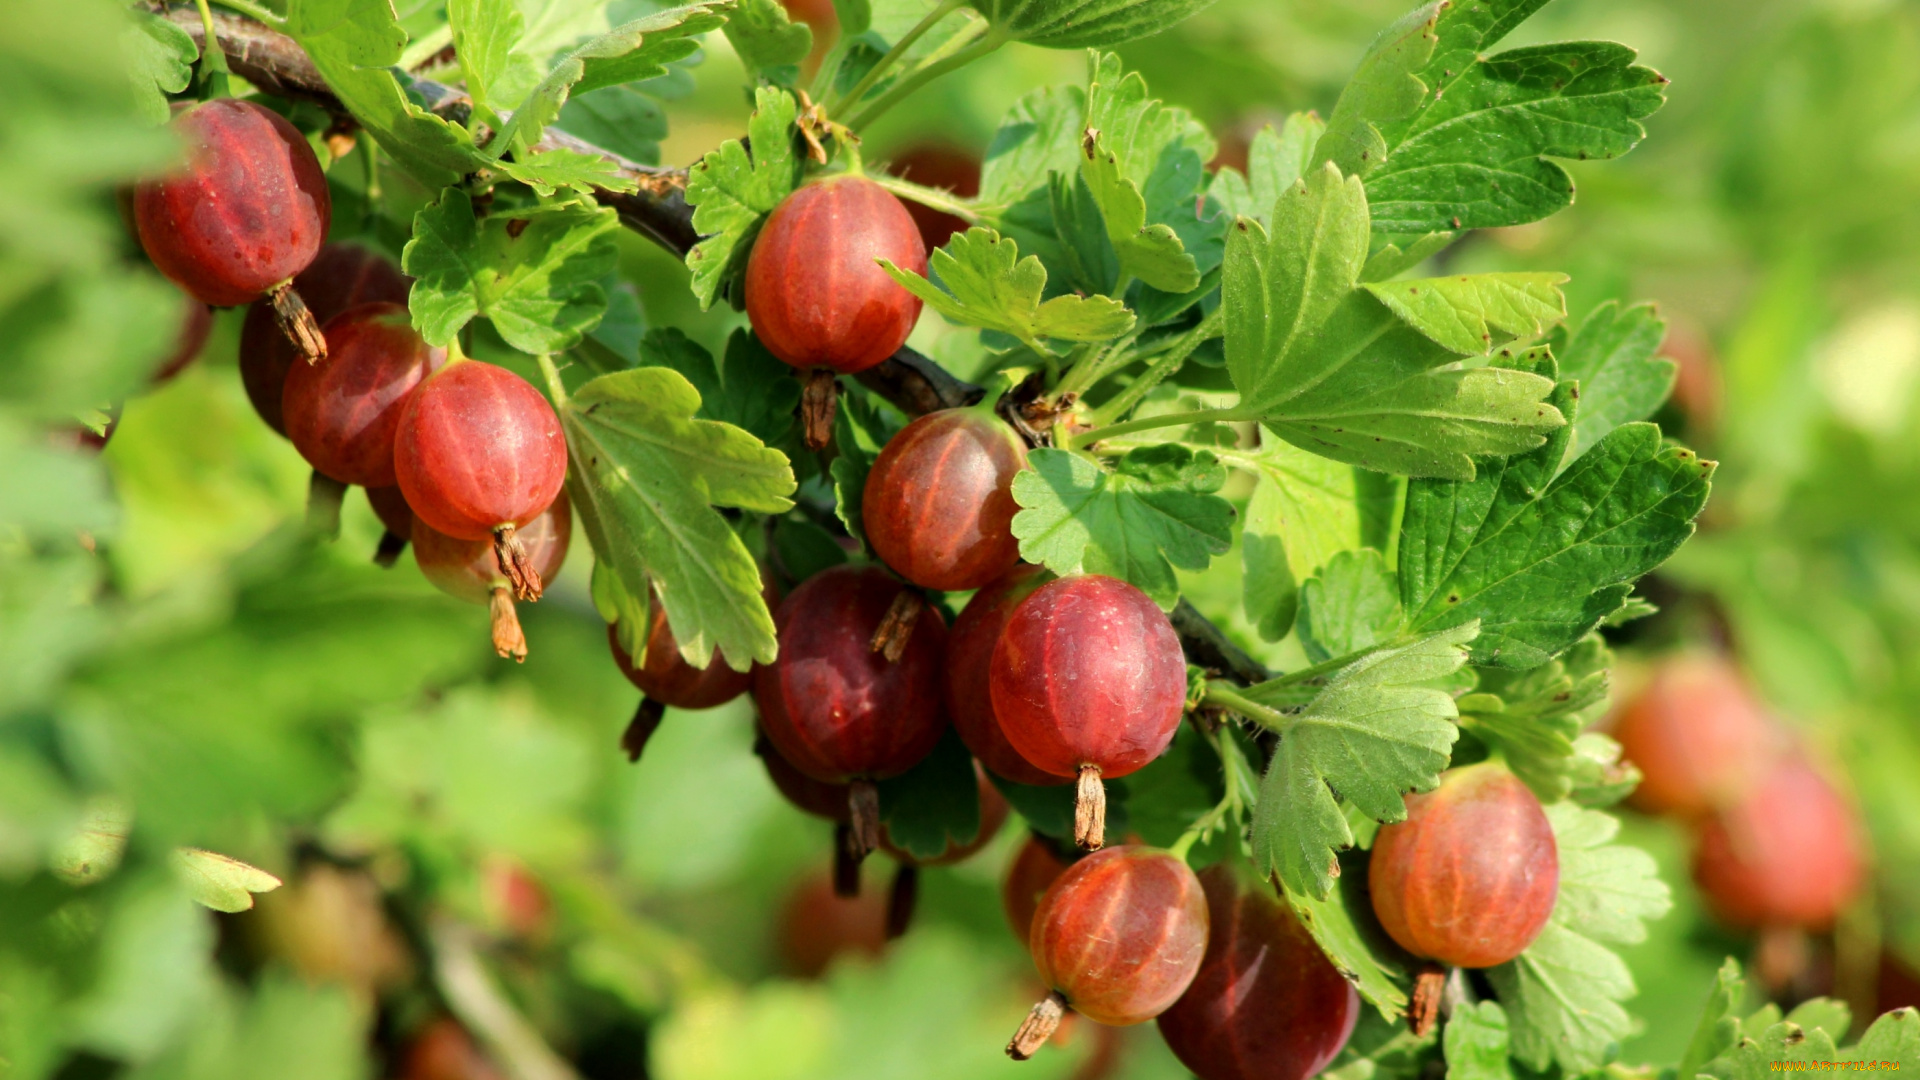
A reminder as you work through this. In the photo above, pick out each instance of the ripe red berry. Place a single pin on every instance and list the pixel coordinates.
(479, 453)
(817, 925)
(815, 295)
(666, 676)
(1267, 1004)
(938, 504)
(1790, 853)
(816, 797)
(1470, 878)
(1119, 937)
(341, 276)
(1088, 681)
(1698, 736)
(938, 165)
(1036, 867)
(969, 658)
(341, 413)
(471, 569)
(835, 708)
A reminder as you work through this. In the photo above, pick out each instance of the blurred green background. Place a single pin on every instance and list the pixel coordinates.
(348, 729)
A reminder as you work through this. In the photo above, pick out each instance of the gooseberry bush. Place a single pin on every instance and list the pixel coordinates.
(1349, 819)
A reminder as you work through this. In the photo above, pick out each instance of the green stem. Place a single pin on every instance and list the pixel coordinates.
(253, 11)
(1169, 362)
(213, 59)
(555, 388)
(944, 201)
(1229, 697)
(893, 55)
(1150, 423)
(931, 70)
(1083, 376)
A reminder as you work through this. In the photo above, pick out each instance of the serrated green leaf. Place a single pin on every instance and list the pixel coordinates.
(645, 478)
(731, 192)
(1385, 87)
(1276, 160)
(1301, 514)
(550, 171)
(620, 119)
(1825, 1013)
(220, 882)
(1074, 24)
(750, 388)
(988, 285)
(1533, 717)
(356, 45)
(1895, 1036)
(1476, 1041)
(1394, 259)
(1539, 561)
(1782, 1044)
(1039, 136)
(1471, 313)
(1598, 776)
(854, 16)
(1719, 1029)
(1350, 603)
(1156, 510)
(631, 616)
(160, 60)
(934, 806)
(1332, 370)
(1372, 734)
(533, 272)
(484, 34)
(1562, 994)
(1612, 357)
(1081, 247)
(1344, 926)
(765, 37)
(1130, 140)
(860, 430)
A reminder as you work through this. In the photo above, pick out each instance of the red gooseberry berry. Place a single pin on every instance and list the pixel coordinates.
(938, 504)
(1788, 854)
(836, 709)
(479, 454)
(969, 658)
(1118, 937)
(1037, 865)
(943, 166)
(390, 506)
(340, 277)
(1699, 737)
(247, 212)
(1088, 681)
(818, 925)
(472, 570)
(341, 413)
(1267, 1004)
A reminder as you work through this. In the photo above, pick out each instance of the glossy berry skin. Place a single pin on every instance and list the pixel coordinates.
(249, 211)
(391, 508)
(470, 570)
(1470, 878)
(941, 166)
(816, 797)
(833, 707)
(969, 657)
(1267, 1004)
(1029, 874)
(1121, 934)
(815, 296)
(478, 448)
(993, 814)
(1789, 854)
(341, 413)
(1088, 672)
(341, 276)
(666, 676)
(938, 504)
(1699, 737)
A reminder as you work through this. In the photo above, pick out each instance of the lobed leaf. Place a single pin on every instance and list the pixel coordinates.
(1039, 136)
(1351, 603)
(1719, 1029)
(1612, 357)
(1462, 313)
(1534, 717)
(749, 387)
(765, 38)
(732, 191)
(1276, 160)
(160, 58)
(1073, 24)
(218, 881)
(860, 430)
(934, 806)
(484, 35)
(551, 171)
(1132, 146)
(988, 285)
(1302, 512)
(1343, 925)
(1476, 1041)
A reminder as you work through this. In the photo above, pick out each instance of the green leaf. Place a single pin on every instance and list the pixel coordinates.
(1763, 1055)
(1176, 789)
(1476, 1042)
(765, 37)
(356, 45)
(1392, 260)
(1824, 1014)
(1562, 995)
(1343, 925)
(1463, 313)
(484, 34)
(220, 882)
(1351, 603)
(1599, 778)
(1276, 160)
(859, 431)
(804, 549)
(1539, 561)
(95, 849)
(988, 285)
(934, 806)
(1074, 24)
(645, 478)
(620, 119)
(1612, 357)
(1533, 717)
(854, 16)
(732, 192)
(750, 389)
(631, 616)
(1081, 247)
(559, 169)
(534, 272)
(1330, 368)
(1039, 136)
(1156, 510)
(1128, 142)
(1719, 1029)
(1049, 809)
(1895, 1036)
(160, 60)
(1301, 514)
(1372, 734)
(1386, 87)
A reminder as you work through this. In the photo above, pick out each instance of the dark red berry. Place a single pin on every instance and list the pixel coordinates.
(938, 504)
(390, 506)
(341, 276)
(818, 925)
(479, 453)
(969, 658)
(815, 295)
(816, 797)
(1118, 938)
(342, 412)
(838, 710)
(1088, 681)
(1470, 878)
(668, 678)
(1266, 1004)
(1699, 737)
(1790, 853)
(938, 165)
(471, 569)
(248, 211)
(194, 328)
(1036, 867)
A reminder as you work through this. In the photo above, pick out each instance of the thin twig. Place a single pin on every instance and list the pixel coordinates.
(474, 998)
